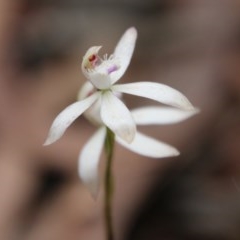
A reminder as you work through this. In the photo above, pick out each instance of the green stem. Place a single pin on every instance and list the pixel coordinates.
(108, 183)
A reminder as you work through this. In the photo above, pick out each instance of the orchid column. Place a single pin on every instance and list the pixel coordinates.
(100, 101)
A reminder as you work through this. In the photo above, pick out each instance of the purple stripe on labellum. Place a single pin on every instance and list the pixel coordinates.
(111, 69)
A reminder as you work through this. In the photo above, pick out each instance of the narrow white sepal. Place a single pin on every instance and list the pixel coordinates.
(117, 117)
(149, 147)
(156, 91)
(89, 160)
(161, 115)
(86, 90)
(93, 112)
(67, 116)
(123, 52)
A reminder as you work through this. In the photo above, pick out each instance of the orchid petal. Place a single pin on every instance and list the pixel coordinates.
(89, 161)
(93, 112)
(149, 147)
(86, 90)
(123, 52)
(155, 91)
(67, 116)
(117, 117)
(160, 115)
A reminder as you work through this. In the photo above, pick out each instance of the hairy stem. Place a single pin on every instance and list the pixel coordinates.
(108, 183)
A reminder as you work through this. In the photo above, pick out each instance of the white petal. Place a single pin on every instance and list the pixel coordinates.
(160, 115)
(149, 147)
(67, 116)
(89, 159)
(86, 90)
(93, 112)
(123, 52)
(117, 117)
(156, 91)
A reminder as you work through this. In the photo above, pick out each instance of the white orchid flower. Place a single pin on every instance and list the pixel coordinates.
(103, 73)
(141, 144)
(100, 101)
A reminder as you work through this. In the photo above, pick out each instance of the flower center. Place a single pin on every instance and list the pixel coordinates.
(105, 65)
(112, 68)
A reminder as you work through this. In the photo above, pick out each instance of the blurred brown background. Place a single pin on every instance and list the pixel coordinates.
(193, 46)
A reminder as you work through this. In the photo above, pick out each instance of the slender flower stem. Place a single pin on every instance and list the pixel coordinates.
(108, 183)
